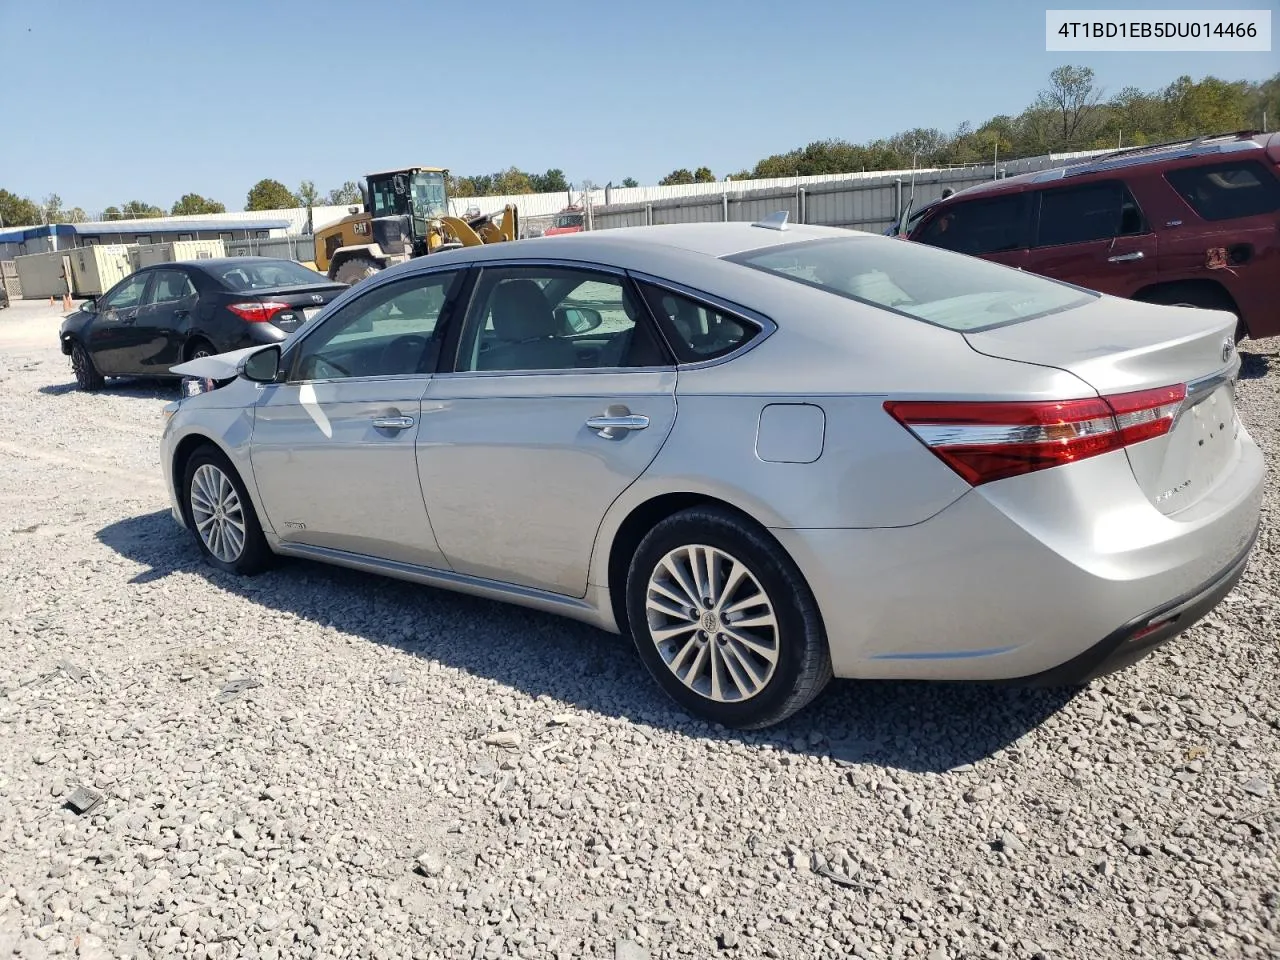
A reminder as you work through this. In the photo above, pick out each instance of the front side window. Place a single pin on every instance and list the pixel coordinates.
(1225, 191)
(551, 318)
(128, 294)
(912, 279)
(391, 331)
(695, 330)
(977, 227)
(1096, 211)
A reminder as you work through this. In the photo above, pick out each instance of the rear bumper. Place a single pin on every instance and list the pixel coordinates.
(1140, 636)
(1015, 584)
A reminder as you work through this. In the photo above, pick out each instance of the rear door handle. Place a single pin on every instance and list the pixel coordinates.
(393, 423)
(1121, 258)
(612, 427)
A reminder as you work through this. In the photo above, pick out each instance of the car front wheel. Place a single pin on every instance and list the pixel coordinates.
(221, 515)
(82, 365)
(724, 621)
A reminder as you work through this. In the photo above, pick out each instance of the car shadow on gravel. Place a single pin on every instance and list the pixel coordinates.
(920, 727)
(1255, 366)
(137, 388)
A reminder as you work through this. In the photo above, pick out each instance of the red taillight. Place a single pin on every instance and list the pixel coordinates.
(258, 312)
(985, 441)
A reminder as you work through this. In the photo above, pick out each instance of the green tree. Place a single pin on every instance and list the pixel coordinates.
(1072, 100)
(137, 209)
(52, 209)
(676, 176)
(704, 175)
(553, 181)
(192, 204)
(512, 181)
(630, 182)
(307, 195)
(16, 211)
(270, 195)
(344, 195)
(75, 215)
(112, 213)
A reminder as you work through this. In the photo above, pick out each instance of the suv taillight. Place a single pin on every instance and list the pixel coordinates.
(986, 441)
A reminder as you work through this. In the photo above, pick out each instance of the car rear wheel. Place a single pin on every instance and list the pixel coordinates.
(200, 347)
(353, 271)
(87, 375)
(221, 515)
(1197, 295)
(724, 621)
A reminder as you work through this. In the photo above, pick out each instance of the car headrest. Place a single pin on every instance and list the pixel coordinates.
(521, 311)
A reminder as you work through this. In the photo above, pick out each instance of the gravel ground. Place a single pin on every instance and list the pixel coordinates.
(319, 763)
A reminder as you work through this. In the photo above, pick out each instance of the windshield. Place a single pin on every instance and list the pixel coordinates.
(268, 274)
(421, 193)
(569, 220)
(428, 195)
(946, 289)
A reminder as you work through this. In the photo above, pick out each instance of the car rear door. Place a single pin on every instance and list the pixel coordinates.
(113, 336)
(544, 419)
(1094, 235)
(163, 320)
(333, 447)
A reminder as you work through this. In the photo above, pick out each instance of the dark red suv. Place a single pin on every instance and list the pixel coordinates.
(1194, 223)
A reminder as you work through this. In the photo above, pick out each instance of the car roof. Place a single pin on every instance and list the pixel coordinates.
(1206, 146)
(215, 263)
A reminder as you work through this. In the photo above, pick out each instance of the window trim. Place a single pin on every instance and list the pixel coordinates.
(627, 279)
(293, 357)
(1037, 208)
(765, 327)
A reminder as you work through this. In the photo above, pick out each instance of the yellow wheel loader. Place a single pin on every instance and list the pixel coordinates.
(406, 215)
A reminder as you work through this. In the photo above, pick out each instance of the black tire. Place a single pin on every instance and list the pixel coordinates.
(254, 555)
(354, 270)
(1198, 295)
(803, 662)
(199, 347)
(87, 375)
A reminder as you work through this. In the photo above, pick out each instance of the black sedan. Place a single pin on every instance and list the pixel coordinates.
(167, 313)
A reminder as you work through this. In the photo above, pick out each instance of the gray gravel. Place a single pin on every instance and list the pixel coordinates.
(318, 763)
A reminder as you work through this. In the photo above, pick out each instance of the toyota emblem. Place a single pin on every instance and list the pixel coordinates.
(316, 298)
(1228, 345)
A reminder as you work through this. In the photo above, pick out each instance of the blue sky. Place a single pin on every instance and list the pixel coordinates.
(113, 100)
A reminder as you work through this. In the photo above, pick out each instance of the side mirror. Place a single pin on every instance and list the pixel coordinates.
(263, 366)
(90, 305)
(575, 320)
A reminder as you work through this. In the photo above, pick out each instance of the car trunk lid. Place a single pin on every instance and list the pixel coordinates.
(1120, 347)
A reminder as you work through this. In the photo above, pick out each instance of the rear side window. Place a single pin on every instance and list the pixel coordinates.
(980, 226)
(695, 330)
(958, 293)
(1097, 211)
(1224, 191)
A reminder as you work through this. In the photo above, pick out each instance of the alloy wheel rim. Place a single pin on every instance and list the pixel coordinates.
(712, 622)
(217, 513)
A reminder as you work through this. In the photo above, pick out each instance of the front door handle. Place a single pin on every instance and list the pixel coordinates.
(1137, 255)
(393, 423)
(613, 426)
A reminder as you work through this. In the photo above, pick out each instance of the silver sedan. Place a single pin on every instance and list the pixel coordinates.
(770, 453)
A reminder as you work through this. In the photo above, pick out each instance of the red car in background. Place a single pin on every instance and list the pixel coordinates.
(1194, 223)
(568, 220)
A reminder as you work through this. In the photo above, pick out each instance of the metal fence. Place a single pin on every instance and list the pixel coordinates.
(9, 279)
(869, 203)
(302, 248)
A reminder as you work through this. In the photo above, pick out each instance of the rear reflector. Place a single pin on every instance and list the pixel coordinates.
(985, 441)
(258, 312)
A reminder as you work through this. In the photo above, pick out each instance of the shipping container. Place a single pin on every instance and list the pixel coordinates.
(144, 255)
(45, 275)
(97, 269)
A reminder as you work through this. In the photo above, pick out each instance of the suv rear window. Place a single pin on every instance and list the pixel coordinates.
(958, 293)
(1224, 191)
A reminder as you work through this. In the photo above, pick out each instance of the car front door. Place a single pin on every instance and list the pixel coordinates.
(162, 321)
(560, 395)
(113, 335)
(333, 446)
(1094, 235)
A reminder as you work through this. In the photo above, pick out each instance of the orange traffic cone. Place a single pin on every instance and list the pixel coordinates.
(51, 303)
(66, 301)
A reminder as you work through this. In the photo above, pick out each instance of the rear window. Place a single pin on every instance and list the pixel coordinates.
(268, 274)
(1224, 191)
(958, 293)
